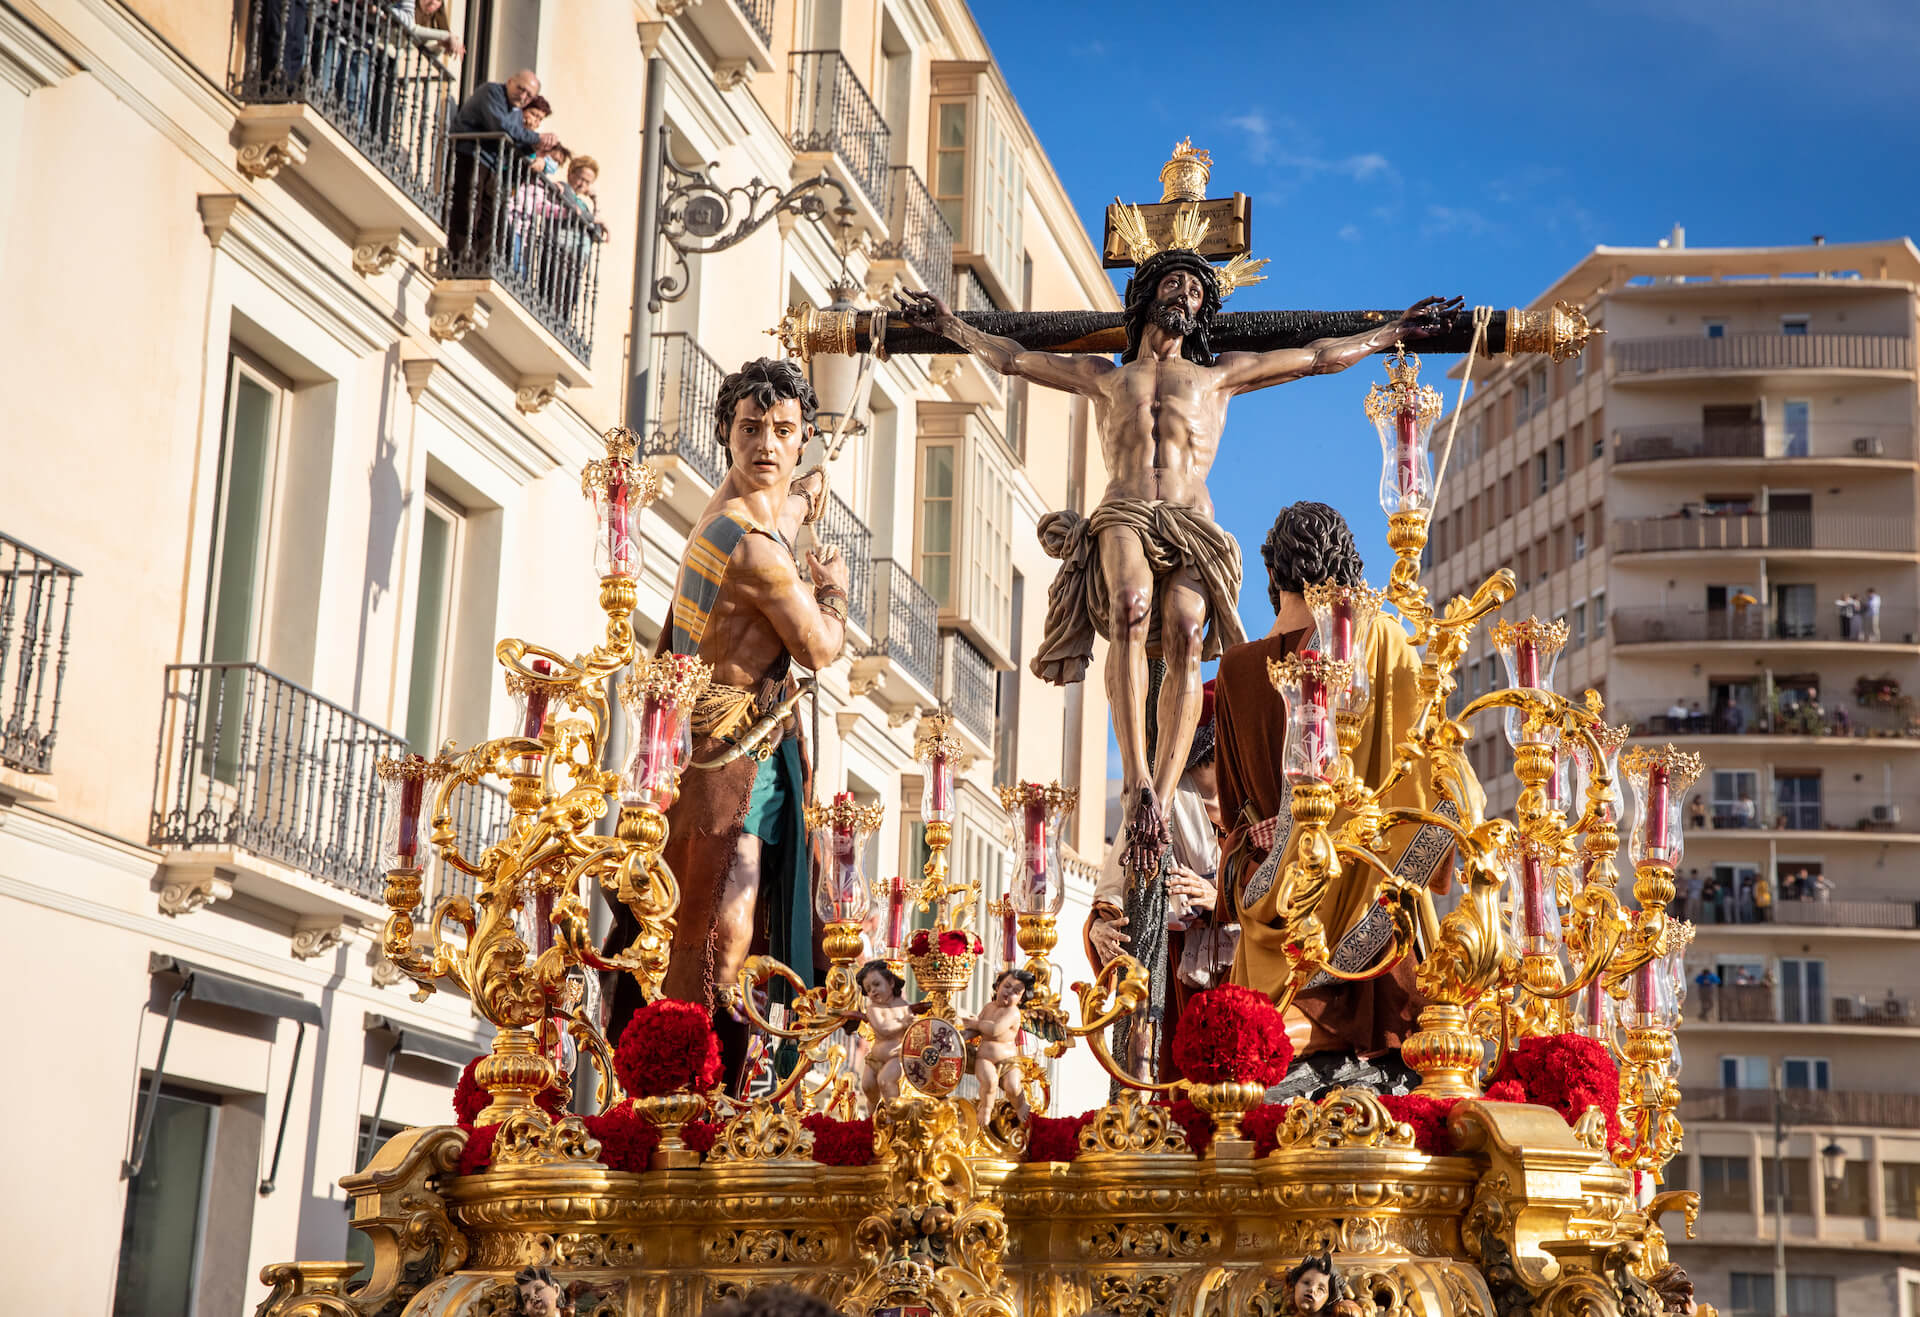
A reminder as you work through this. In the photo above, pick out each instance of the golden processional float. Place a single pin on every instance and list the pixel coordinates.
(1190, 1201)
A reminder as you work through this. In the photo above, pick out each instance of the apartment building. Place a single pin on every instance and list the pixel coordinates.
(1698, 498)
(295, 436)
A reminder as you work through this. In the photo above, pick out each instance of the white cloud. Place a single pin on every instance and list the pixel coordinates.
(1349, 233)
(1259, 134)
(1454, 219)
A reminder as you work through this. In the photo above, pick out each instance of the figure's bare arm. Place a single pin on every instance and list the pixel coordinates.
(1242, 372)
(769, 580)
(1056, 370)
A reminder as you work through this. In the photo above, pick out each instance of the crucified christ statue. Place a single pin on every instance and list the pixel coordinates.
(1149, 569)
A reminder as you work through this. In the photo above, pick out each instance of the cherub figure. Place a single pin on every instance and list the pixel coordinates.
(997, 1029)
(888, 1014)
(540, 1294)
(1314, 1289)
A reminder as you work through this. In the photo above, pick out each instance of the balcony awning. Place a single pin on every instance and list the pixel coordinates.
(411, 1040)
(218, 989)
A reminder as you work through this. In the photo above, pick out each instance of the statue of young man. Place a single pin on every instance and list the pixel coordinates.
(743, 603)
(1149, 569)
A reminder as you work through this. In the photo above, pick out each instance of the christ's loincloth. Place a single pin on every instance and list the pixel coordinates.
(1173, 537)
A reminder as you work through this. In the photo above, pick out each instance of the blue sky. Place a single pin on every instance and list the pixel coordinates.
(1397, 150)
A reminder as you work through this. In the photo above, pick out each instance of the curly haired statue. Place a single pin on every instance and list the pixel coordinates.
(1310, 544)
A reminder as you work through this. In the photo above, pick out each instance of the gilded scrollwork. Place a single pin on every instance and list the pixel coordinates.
(1345, 1118)
(762, 1133)
(1131, 1124)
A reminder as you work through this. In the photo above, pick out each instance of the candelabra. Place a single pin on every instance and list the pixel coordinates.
(525, 929)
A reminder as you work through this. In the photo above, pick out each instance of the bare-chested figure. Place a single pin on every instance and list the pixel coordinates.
(997, 1047)
(1149, 569)
(888, 1014)
(737, 838)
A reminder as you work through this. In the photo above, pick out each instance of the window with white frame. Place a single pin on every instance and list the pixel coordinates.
(1749, 1072)
(255, 418)
(1599, 614)
(965, 532)
(1579, 626)
(1812, 1073)
(950, 165)
(936, 522)
(1003, 183)
(990, 540)
(435, 589)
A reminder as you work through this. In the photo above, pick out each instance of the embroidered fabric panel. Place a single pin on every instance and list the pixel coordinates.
(1262, 878)
(1368, 938)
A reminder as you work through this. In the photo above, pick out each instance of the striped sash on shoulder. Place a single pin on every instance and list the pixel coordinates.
(701, 572)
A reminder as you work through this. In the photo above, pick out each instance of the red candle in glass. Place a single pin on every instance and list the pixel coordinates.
(413, 789)
(1657, 798)
(1313, 730)
(1526, 662)
(1036, 848)
(1407, 422)
(896, 913)
(1533, 900)
(1554, 783)
(940, 767)
(1596, 1008)
(1342, 628)
(660, 725)
(619, 542)
(1646, 996)
(1007, 941)
(537, 696)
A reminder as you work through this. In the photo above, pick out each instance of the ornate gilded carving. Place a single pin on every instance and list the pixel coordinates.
(761, 1133)
(1131, 1124)
(1345, 1118)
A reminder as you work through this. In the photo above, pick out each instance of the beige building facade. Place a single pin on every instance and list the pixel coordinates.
(294, 441)
(1696, 498)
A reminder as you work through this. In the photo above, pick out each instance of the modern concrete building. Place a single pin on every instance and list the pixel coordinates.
(295, 433)
(1694, 498)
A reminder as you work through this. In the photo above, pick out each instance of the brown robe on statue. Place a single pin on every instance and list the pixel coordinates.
(1250, 723)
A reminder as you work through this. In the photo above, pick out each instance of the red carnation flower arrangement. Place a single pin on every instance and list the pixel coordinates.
(1231, 1034)
(1056, 1138)
(478, 1154)
(1261, 1124)
(627, 1138)
(469, 1099)
(1568, 1072)
(949, 942)
(668, 1047)
(840, 1142)
(1428, 1116)
(1196, 1124)
(701, 1135)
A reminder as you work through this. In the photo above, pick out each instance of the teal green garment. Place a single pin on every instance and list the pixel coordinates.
(775, 816)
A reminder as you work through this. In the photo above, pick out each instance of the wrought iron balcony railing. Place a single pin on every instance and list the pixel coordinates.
(250, 760)
(1835, 716)
(1864, 532)
(1808, 804)
(1804, 914)
(1754, 1106)
(1756, 622)
(917, 232)
(1753, 440)
(969, 686)
(970, 292)
(686, 382)
(1764, 1003)
(906, 621)
(481, 813)
(354, 64)
(1741, 352)
(832, 112)
(532, 235)
(839, 527)
(759, 16)
(36, 613)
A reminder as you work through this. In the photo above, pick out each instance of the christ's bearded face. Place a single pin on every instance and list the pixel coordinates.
(1177, 303)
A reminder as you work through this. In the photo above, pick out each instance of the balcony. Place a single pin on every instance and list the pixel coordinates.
(481, 816)
(36, 614)
(834, 117)
(1755, 624)
(1760, 1003)
(685, 382)
(1871, 814)
(970, 292)
(917, 235)
(1775, 532)
(1754, 1106)
(263, 784)
(1805, 718)
(839, 527)
(1761, 353)
(327, 90)
(1754, 442)
(967, 685)
(905, 634)
(1886, 915)
(739, 33)
(512, 231)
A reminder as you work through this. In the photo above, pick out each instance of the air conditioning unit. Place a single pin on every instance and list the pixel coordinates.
(1886, 813)
(1868, 445)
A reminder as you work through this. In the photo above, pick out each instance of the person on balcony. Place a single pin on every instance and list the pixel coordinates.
(1697, 814)
(1847, 607)
(1871, 607)
(494, 113)
(532, 214)
(536, 112)
(1352, 1031)
(737, 838)
(1763, 900)
(424, 22)
(1690, 895)
(1743, 810)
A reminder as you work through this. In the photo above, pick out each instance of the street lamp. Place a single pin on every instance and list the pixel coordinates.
(1833, 1170)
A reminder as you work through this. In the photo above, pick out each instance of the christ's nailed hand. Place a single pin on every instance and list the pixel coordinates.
(921, 309)
(1429, 316)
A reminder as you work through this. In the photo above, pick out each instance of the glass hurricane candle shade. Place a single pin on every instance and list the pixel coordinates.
(839, 882)
(1536, 906)
(1659, 780)
(1403, 413)
(1312, 687)
(659, 697)
(1035, 814)
(1654, 999)
(893, 931)
(534, 703)
(1530, 651)
(1343, 620)
(408, 783)
(1594, 1018)
(617, 505)
(936, 792)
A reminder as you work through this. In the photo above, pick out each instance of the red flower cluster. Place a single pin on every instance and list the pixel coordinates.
(469, 1099)
(951, 942)
(1262, 1125)
(668, 1046)
(1568, 1072)
(478, 1154)
(1056, 1138)
(627, 1138)
(1195, 1123)
(1231, 1034)
(1428, 1116)
(841, 1142)
(700, 1135)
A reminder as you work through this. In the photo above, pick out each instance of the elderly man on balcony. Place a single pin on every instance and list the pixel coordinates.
(494, 111)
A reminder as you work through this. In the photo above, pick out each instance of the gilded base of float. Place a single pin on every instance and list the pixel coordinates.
(1529, 1216)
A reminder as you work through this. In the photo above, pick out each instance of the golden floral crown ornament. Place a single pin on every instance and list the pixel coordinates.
(1403, 392)
(1184, 177)
(1547, 638)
